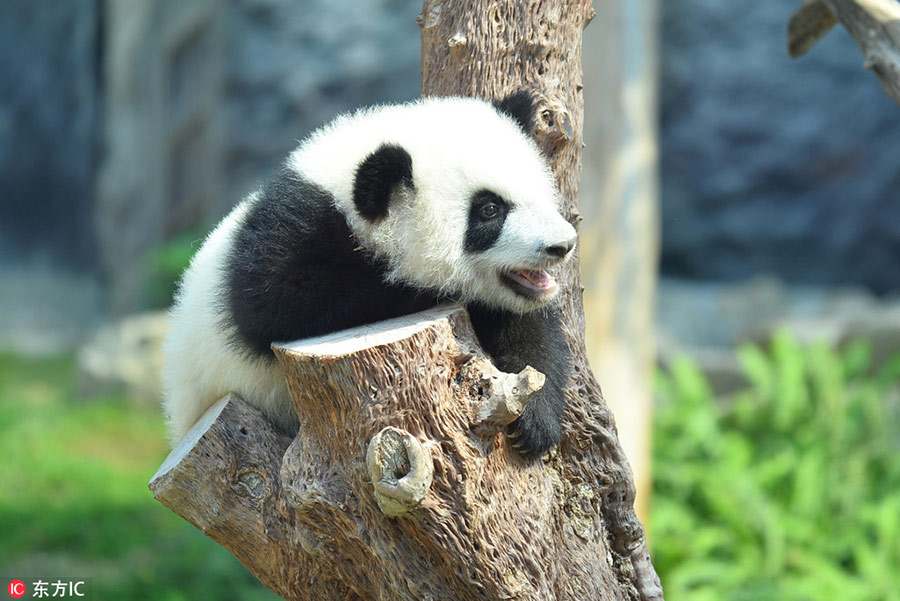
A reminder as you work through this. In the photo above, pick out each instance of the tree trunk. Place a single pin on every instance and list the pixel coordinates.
(489, 50)
(400, 485)
(397, 487)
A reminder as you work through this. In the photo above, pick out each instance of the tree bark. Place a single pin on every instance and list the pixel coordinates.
(382, 408)
(489, 50)
(400, 485)
(873, 24)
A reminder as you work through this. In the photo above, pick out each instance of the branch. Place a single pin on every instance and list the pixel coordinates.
(873, 24)
(223, 477)
(809, 25)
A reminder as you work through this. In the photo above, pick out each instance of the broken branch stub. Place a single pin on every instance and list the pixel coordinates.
(809, 25)
(401, 470)
(506, 396)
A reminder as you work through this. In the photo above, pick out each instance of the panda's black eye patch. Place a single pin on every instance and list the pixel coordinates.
(487, 213)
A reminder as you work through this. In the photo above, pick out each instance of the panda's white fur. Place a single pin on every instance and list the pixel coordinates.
(458, 146)
(201, 363)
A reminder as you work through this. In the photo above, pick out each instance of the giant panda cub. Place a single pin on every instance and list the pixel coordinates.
(383, 212)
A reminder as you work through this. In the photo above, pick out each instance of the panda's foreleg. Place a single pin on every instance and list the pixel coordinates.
(536, 339)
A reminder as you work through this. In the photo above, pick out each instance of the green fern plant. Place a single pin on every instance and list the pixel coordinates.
(789, 489)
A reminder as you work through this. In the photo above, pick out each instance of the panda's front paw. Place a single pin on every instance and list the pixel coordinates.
(535, 432)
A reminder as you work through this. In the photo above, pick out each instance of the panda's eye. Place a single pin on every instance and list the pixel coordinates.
(489, 210)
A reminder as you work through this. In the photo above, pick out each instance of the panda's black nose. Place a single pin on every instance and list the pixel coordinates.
(560, 249)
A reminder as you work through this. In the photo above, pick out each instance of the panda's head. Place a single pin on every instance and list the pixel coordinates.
(453, 194)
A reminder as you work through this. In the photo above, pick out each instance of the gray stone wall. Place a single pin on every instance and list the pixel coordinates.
(774, 166)
(162, 133)
(291, 67)
(111, 140)
(123, 122)
(49, 82)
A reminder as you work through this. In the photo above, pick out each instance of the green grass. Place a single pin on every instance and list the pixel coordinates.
(74, 498)
(789, 490)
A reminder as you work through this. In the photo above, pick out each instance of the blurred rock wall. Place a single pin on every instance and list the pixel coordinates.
(122, 122)
(49, 104)
(769, 166)
(162, 133)
(774, 166)
(292, 66)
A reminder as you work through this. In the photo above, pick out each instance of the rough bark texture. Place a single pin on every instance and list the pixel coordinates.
(223, 477)
(488, 50)
(400, 486)
(874, 25)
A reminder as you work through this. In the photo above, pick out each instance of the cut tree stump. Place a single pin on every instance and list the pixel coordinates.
(400, 485)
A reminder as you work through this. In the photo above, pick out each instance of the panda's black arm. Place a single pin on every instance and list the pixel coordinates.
(536, 339)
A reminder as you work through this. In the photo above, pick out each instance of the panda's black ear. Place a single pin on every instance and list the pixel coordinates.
(521, 107)
(377, 177)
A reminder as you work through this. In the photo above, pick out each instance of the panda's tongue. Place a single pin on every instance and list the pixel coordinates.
(534, 278)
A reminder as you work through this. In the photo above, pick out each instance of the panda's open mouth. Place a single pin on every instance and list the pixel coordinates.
(530, 283)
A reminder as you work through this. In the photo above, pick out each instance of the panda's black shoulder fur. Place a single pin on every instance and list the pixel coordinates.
(295, 271)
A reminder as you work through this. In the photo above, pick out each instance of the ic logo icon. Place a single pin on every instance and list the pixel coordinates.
(16, 589)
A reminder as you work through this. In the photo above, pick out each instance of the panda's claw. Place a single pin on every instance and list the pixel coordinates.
(535, 432)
